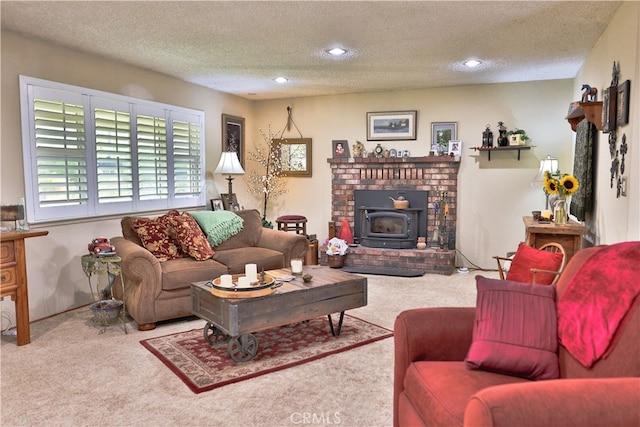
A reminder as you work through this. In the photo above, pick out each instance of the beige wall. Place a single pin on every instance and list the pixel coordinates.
(617, 219)
(493, 196)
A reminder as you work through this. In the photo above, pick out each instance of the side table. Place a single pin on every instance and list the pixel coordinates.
(13, 266)
(111, 266)
(568, 235)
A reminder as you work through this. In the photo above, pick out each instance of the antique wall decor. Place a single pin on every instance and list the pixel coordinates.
(609, 97)
(391, 125)
(233, 135)
(622, 115)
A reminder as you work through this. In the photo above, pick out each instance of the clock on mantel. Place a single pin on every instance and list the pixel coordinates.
(592, 111)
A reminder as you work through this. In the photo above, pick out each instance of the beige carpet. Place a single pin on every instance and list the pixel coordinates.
(73, 376)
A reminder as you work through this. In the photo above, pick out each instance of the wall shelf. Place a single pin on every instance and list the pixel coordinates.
(488, 150)
(592, 111)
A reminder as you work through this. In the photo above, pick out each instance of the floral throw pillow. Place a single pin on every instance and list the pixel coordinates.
(154, 234)
(184, 229)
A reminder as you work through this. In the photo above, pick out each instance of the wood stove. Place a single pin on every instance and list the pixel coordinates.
(379, 225)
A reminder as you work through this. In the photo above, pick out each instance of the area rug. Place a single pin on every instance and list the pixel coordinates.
(203, 367)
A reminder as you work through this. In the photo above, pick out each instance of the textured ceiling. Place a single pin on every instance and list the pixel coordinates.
(238, 47)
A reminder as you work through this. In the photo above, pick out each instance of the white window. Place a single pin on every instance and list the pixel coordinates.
(89, 153)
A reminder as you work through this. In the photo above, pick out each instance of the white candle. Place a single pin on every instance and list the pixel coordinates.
(251, 271)
(243, 282)
(296, 266)
(225, 280)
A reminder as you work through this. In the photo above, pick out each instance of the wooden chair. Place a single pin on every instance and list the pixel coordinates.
(549, 247)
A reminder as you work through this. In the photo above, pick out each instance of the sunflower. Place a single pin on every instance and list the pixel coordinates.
(570, 184)
(551, 185)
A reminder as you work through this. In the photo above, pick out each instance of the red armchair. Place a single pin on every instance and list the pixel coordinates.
(432, 385)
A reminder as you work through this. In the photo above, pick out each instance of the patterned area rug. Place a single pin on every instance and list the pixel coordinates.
(203, 367)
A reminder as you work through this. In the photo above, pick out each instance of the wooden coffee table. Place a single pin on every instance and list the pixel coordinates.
(234, 320)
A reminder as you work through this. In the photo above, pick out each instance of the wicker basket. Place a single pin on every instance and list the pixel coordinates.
(336, 261)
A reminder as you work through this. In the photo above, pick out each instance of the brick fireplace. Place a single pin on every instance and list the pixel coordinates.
(432, 174)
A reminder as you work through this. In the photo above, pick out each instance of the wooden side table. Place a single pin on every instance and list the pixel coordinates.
(13, 263)
(569, 235)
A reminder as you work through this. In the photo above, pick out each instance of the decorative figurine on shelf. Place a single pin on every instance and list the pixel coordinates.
(358, 149)
(590, 94)
(503, 141)
(487, 137)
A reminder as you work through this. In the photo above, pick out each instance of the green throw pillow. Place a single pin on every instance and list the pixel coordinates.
(219, 226)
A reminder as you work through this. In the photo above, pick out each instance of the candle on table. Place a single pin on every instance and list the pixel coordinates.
(251, 271)
(296, 266)
(243, 282)
(225, 280)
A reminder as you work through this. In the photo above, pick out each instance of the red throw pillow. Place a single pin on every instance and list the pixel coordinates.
(515, 331)
(188, 235)
(154, 234)
(527, 258)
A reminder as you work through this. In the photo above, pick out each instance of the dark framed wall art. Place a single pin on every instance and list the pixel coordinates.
(233, 135)
(609, 96)
(340, 148)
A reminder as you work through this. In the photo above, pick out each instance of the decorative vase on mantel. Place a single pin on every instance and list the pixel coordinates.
(560, 211)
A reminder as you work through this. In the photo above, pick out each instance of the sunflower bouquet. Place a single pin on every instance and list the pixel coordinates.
(560, 185)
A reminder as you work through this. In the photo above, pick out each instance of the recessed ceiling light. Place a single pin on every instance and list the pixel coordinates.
(472, 63)
(281, 80)
(336, 51)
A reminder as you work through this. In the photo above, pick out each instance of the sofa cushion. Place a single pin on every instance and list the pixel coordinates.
(515, 331)
(235, 259)
(180, 273)
(249, 235)
(219, 226)
(154, 234)
(527, 258)
(441, 390)
(186, 232)
(126, 224)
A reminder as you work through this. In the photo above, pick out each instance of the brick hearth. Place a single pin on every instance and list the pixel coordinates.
(432, 174)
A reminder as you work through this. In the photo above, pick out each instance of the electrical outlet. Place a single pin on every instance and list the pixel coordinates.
(623, 186)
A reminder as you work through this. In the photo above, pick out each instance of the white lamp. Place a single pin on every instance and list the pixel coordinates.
(229, 164)
(548, 164)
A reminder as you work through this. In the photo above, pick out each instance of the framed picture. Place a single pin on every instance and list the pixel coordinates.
(217, 205)
(622, 116)
(609, 96)
(391, 125)
(340, 148)
(295, 154)
(455, 147)
(442, 133)
(230, 204)
(233, 135)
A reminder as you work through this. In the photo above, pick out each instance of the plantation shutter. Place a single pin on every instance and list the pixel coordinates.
(114, 164)
(151, 139)
(187, 155)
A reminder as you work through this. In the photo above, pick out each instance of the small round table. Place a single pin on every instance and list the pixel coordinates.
(111, 266)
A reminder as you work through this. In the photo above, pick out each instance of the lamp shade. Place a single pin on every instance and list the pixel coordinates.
(548, 164)
(229, 164)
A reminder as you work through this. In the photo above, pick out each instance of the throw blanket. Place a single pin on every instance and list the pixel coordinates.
(596, 299)
(219, 226)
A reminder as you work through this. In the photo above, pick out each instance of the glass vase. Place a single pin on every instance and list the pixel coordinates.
(560, 211)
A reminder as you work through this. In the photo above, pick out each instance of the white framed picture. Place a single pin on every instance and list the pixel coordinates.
(455, 147)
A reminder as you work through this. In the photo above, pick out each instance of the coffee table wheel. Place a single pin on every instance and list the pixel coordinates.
(213, 335)
(243, 347)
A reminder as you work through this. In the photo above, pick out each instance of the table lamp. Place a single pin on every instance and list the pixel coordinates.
(229, 164)
(548, 164)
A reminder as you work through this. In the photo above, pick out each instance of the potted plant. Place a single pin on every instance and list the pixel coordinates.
(517, 137)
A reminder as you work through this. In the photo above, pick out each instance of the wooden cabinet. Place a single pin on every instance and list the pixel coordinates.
(569, 235)
(13, 275)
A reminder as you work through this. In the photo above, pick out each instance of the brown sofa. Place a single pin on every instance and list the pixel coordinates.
(432, 385)
(155, 291)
